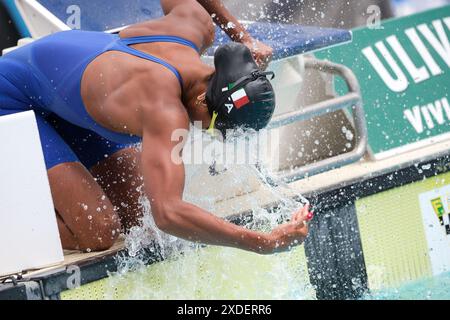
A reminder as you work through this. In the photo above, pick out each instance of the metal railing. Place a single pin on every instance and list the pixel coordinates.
(352, 99)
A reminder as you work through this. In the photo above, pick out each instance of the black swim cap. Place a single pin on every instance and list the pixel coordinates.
(239, 94)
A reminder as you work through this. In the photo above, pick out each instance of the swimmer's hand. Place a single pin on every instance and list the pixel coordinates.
(291, 234)
(237, 32)
(261, 52)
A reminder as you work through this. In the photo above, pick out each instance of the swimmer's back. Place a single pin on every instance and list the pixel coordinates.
(46, 74)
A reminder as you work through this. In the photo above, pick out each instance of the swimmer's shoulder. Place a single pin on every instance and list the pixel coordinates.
(164, 111)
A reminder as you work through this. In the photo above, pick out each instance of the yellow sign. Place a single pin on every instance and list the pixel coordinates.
(438, 207)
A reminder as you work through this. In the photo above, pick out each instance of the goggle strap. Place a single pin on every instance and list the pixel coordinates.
(213, 123)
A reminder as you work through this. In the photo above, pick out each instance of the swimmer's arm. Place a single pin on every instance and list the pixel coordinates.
(164, 184)
(221, 16)
(236, 31)
(225, 20)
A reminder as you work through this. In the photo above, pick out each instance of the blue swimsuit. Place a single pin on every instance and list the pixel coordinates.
(45, 76)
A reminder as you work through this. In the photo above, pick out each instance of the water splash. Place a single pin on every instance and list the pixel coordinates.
(191, 271)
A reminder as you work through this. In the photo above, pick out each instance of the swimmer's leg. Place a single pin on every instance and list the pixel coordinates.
(120, 175)
(68, 240)
(116, 168)
(86, 217)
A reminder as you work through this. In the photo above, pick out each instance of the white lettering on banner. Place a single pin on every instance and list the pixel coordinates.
(441, 46)
(399, 81)
(437, 111)
(415, 118)
(432, 113)
(423, 51)
(397, 85)
(427, 116)
(446, 107)
(418, 74)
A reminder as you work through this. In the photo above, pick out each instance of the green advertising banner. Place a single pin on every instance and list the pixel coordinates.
(403, 66)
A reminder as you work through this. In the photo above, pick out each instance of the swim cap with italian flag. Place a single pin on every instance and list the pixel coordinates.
(239, 94)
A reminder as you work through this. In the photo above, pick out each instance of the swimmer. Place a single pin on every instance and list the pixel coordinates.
(96, 95)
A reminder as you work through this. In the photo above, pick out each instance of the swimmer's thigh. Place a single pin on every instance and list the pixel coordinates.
(115, 167)
(86, 217)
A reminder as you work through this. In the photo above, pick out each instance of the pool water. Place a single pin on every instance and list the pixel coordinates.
(436, 288)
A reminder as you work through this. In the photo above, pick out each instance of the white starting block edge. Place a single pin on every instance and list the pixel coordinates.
(39, 21)
(20, 43)
(29, 237)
